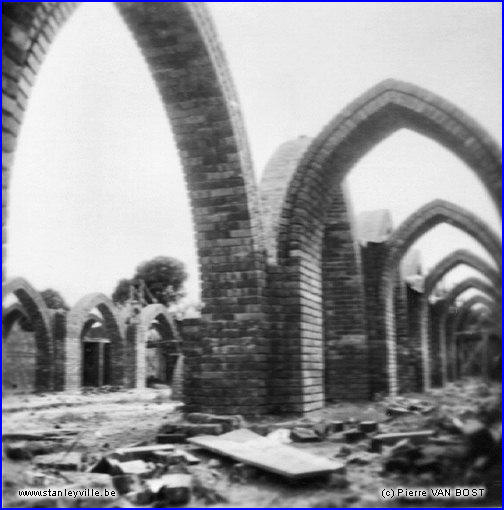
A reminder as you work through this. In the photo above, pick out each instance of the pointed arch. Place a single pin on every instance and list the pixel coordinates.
(158, 311)
(470, 283)
(187, 63)
(77, 318)
(38, 314)
(429, 216)
(421, 221)
(377, 114)
(454, 259)
(12, 314)
(274, 185)
(468, 305)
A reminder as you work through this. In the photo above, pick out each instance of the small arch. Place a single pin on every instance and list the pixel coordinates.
(430, 215)
(470, 283)
(12, 314)
(160, 361)
(154, 311)
(454, 259)
(468, 305)
(38, 315)
(77, 319)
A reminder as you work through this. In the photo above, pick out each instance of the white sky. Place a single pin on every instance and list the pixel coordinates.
(97, 185)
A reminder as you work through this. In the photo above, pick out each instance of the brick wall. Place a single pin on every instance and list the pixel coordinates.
(19, 354)
(39, 317)
(76, 319)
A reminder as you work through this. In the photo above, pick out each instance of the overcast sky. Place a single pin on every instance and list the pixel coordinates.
(97, 186)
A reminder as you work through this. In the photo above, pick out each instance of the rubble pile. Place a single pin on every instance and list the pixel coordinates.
(450, 437)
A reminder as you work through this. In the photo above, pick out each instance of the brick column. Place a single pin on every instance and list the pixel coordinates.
(438, 345)
(414, 300)
(425, 342)
(140, 357)
(373, 256)
(406, 354)
(345, 335)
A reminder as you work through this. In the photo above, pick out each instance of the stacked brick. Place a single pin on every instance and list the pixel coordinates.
(76, 319)
(39, 317)
(345, 334)
(406, 348)
(418, 355)
(373, 258)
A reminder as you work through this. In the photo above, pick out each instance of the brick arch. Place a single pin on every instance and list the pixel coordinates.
(429, 216)
(417, 224)
(187, 63)
(77, 318)
(13, 314)
(274, 185)
(38, 314)
(470, 283)
(454, 259)
(444, 321)
(468, 305)
(449, 262)
(377, 114)
(148, 314)
(155, 311)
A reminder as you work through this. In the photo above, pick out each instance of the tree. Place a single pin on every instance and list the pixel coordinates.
(54, 300)
(122, 290)
(163, 276)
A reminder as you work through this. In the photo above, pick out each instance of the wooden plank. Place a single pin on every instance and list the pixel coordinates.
(245, 446)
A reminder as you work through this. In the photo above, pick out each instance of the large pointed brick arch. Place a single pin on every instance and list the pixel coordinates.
(377, 114)
(77, 319)
(180, 46)
(38, 314)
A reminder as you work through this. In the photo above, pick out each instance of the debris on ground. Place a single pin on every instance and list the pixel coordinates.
(344, 454)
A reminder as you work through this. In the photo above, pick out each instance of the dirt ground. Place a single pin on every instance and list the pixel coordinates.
(106, 421)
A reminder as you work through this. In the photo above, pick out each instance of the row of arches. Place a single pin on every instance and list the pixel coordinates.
(264, 251)
(69, 356)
